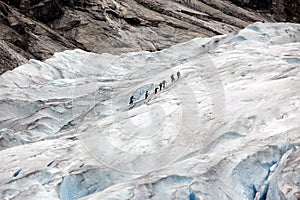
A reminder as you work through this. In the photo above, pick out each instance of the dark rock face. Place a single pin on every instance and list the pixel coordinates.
(47, 11)
(38, 28)
(288, 10)
(292, 10)
(254, 4)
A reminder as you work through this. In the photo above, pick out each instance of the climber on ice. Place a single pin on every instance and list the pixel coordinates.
(172, 78)
(160, 86)
(131, 100)
(155, 91)
(146, 94)
(164, 83)
(178, 74)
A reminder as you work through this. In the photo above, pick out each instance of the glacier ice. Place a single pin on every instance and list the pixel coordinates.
(227, 129)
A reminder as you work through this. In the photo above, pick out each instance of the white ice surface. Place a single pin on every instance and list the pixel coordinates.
(227, 129)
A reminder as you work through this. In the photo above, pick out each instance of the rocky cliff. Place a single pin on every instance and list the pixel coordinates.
(38, 28)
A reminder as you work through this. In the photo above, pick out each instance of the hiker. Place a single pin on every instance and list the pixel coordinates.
(131, 100)
(156, 89)
(164, 83)
(146, 94)
(172, 78)
(178, 74)
(160, 86)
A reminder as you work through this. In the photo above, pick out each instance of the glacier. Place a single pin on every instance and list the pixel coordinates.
(228, 128)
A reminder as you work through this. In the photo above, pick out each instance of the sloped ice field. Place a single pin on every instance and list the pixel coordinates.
(228, 128)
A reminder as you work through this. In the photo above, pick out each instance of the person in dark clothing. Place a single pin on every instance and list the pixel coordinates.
(131, 100)
(160, 86)
(178, 74)
(164, 83)
(172, 78)
(155, 91)
(146, 94)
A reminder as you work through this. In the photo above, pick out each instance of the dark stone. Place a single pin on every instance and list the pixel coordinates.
(112, 13)
(69, 3)
(15, 3)
(254, 4)
(20, 43)
(4, 9)
(20, 28)
(47, 11)
(134, 21)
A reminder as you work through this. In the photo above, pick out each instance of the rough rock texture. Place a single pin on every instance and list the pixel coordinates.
(38, 28)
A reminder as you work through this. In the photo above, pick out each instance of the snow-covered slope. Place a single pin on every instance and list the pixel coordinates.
(228, 128)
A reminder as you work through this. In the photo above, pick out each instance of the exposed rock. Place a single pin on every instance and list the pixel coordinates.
(9, 58)
(38, 28)
(46, 11)
(288, 10)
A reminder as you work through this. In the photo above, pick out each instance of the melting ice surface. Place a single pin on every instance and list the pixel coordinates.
(228, 128)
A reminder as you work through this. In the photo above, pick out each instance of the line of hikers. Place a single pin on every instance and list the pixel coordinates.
(161, 86)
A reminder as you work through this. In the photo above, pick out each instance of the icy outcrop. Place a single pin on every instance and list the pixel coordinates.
(228, 128)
